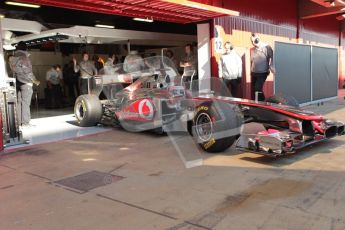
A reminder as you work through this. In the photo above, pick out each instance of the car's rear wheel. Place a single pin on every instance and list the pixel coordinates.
(88, 110)
(216, 126)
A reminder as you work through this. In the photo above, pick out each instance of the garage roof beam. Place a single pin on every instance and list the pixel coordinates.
(178, 11)
(309, 9)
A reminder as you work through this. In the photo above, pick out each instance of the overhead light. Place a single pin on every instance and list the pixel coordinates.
(143, 19)
(105, 26)
(22, 4)
(9, 47)
(2, 16)
(57, 37)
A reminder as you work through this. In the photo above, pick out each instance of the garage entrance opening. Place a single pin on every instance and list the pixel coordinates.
(146, 27)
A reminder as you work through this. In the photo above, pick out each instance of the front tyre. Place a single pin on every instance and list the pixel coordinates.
(88, 110)
(216, 126)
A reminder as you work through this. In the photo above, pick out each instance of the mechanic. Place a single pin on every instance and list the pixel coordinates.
(133, 62)
(87, 71)
(8, 66)
(261, 65)
(230, 68)
(71, 81)
(189, 63)
(152, 65)
(109, 66)
(99, 62)
(22, 70)
(54, 91)
(170, 55)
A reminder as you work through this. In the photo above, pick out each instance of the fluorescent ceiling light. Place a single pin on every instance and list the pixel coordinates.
(105, 26)
(143, 19)
(9, 47)
(22, 4)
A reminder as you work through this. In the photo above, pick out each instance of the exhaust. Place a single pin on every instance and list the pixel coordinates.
(332, 131)
(341, 130)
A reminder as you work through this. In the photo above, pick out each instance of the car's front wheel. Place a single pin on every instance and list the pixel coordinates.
(216, 126)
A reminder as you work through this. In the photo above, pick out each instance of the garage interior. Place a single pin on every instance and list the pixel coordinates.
(39, 28)
(137, 180)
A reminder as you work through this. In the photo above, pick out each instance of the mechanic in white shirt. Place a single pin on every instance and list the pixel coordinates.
(230, 68)
(54, 82)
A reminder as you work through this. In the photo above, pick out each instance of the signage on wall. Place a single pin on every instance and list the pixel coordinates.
(218, 41)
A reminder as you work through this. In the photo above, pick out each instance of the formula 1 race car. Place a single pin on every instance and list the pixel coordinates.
(157, 98)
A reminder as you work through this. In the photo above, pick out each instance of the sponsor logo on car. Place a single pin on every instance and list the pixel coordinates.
(209, 143)
(146, 110)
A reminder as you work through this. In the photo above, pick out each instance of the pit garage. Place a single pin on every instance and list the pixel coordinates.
(206, 159)
(56, 40)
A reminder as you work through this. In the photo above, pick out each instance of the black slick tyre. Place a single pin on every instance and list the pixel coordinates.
(88, 110)
(216, 125)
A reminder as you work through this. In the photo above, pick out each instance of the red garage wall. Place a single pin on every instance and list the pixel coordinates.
(321, 30)
(274, 21)
(324, 31)
(273, 11)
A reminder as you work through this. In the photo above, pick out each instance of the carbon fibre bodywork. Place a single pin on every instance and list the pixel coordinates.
(159, 99)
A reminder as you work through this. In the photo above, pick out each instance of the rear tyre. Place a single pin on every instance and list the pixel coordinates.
(88, 110)
(284, 100)
(216, 126)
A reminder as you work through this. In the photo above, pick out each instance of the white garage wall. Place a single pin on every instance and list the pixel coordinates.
(204, 57)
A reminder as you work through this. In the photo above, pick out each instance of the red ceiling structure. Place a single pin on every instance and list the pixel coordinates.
(177, 11)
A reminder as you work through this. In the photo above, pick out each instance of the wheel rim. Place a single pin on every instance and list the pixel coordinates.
(80, 110)
(204, 127)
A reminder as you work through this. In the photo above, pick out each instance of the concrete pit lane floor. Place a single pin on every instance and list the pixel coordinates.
(121, 180)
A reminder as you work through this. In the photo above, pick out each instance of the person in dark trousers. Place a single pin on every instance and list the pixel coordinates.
(87, 71)
(230, 68)
(22, 71)
(54, 90)
(71, 80)
(189, 63)
(261, 64)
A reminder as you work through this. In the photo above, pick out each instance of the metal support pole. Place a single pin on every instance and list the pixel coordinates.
(128, 46)
(3, 75)
(88, 85)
